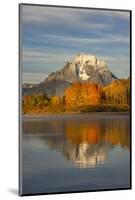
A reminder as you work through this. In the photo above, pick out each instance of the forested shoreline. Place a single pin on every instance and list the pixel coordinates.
(82, 97)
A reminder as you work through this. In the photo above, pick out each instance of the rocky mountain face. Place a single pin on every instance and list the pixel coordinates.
(82, 68)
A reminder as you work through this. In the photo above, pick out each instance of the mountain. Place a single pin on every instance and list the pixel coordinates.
(82, 68)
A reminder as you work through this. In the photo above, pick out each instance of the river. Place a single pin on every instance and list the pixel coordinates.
(75, 152)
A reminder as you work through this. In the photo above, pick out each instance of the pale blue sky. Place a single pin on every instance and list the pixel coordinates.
(52, 36)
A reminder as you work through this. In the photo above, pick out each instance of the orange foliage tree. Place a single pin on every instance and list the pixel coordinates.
(82, 94)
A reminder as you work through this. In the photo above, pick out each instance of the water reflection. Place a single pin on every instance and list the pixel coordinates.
(85, 141)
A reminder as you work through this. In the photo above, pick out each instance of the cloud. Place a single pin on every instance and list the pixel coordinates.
(64, 44)
(33, 77)
(76, 18)
(65, 47)
(56, 14)
(51, 36)
(124, 15)
(102, 39)
(38, 55)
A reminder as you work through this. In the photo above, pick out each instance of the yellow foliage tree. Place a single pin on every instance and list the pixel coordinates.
(55, 100)
(118, 92)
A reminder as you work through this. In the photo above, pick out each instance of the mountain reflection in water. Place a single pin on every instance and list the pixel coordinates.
(85, 142)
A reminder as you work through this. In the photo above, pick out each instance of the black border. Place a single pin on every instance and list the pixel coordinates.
(20, 96)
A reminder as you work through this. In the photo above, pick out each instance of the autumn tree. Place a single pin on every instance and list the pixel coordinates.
(118, 92)
(55, 100)
(72, 94)
(33, 101)
(91, 93)
(82, 94)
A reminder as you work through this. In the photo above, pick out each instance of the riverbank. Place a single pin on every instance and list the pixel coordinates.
(92, 115)
(102, 108)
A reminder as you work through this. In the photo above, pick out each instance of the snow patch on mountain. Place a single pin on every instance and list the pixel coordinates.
(82, 73)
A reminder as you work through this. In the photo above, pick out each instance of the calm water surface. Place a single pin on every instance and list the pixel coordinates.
(77, 152)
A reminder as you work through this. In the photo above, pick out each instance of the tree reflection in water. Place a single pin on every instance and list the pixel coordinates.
(85, 142)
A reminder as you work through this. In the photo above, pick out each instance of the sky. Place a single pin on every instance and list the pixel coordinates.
(52, 36)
